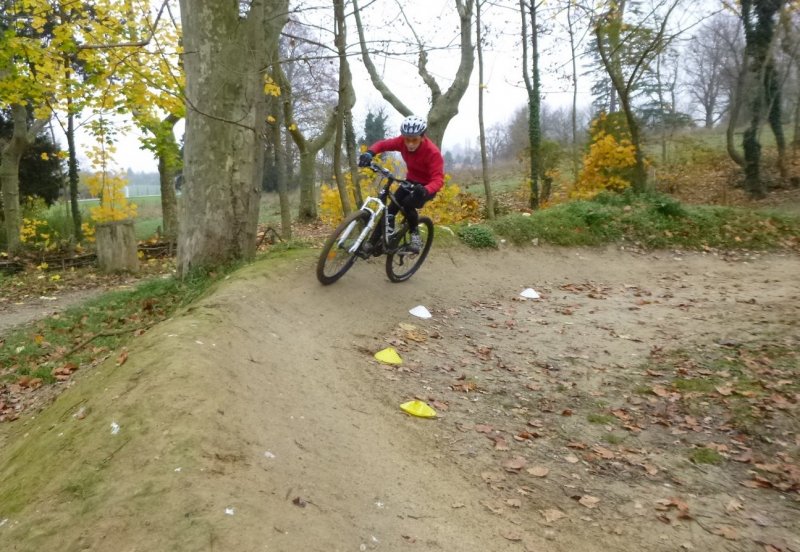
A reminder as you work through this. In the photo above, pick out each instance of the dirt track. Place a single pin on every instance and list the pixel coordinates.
(258, 420)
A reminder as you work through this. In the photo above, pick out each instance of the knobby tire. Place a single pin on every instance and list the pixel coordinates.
(334, 261)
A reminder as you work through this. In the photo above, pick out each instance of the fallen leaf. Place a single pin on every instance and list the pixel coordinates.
(515, 464)
(724, 390)
(733, 505)
(511, 535)
(660, 391)
(727, 532)
(589, 501)
(514, 502)
(650, 469)
(494, 506)
(500, 443)
(572, 459)
(603, 452)
(122, 358)
(552, 515)
(538, 471)
(493, 477)
(483, 428)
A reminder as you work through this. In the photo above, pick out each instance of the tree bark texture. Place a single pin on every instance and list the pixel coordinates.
(10, 157)
(224, 56)
(72, 171)
(758, 18)
(487, 186)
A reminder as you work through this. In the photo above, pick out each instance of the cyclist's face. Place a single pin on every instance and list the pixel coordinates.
(412, 142)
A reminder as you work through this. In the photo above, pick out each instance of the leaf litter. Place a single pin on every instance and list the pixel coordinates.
(531, 384)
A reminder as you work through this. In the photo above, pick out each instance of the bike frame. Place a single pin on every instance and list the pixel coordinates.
(375, 206)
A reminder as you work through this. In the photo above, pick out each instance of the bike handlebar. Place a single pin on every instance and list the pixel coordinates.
(388, 174)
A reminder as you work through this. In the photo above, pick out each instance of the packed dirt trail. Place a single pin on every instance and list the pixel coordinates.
(258, 420)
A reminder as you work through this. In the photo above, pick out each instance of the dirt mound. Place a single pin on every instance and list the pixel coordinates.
(258, 419)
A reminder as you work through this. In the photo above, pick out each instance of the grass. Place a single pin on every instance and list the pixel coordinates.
(600, 419)
(705, 455)
(110, 319)
(652, 221)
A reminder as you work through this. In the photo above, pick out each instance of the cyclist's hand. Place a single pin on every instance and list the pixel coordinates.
(419, 192)
(366, 159)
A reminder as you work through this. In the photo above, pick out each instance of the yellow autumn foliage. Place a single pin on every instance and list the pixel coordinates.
(450, 205)
(607, 164)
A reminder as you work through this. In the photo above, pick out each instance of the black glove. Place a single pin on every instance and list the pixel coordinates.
(419, 192)
(366, 159)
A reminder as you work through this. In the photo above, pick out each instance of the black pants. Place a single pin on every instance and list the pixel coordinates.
(410, 202)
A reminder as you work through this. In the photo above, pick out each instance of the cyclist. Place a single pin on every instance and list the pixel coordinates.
(424, 169)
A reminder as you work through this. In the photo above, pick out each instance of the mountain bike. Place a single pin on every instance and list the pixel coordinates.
(364, 234)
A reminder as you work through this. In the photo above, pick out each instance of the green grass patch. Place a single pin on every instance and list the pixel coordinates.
(705, 455)
(613, 438)
(106, 322)
(654, 221)
(694, 385)
(600, 419)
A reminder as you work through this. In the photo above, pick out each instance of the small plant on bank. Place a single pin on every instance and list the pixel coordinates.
(478, 236)
(705, 455)
(600, 419)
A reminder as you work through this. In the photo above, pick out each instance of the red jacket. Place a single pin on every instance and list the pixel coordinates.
(425, 165)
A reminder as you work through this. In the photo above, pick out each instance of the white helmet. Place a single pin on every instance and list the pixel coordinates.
(413, 126)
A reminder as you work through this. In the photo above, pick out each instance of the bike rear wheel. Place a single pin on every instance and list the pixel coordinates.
(402, 264)
(335, 258)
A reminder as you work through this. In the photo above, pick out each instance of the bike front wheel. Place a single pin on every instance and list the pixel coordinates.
(336, 258)
(402, 264)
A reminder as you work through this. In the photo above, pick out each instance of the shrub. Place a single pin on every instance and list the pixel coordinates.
(609, 161)
(478, 236)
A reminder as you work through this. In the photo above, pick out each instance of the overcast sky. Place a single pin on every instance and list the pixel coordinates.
(436, 24)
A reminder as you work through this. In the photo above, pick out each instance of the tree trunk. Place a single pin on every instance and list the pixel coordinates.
(280, 163)
(774, 115)
(574, 114)
(10, 157)
(487, 186)
(534, 100)
(308, 149)
(308, 196)
(759, 26)
(74, 177)
(168, 167)
(341, 185)
(733, 117)
(347, 98)
(225, 53)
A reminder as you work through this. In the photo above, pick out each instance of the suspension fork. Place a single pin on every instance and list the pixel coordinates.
(374, 207)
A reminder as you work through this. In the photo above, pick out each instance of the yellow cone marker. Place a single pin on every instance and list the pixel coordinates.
(388, 356)
(419, 409)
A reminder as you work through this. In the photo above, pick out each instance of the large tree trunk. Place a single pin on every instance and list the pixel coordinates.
(225, 53)
(10, 157)
(758, 18)
(443, 106)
